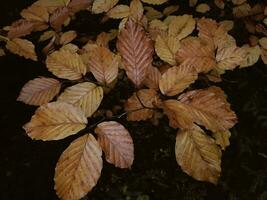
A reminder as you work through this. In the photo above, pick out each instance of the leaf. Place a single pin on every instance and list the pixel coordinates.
(252, 56)
(66, 64)
(152, 13)
(140, 106)
(264, 55)
(203, 8)
(55, 121)
(166, 48)
(181, 26)
(59, 17)
(20, 28)
(230, 57)
(170, 9)
(22, 47)
(86, 96)
(117, 143)
(104, 65)
(35, 13)
(100, 6)
(67, 37)
(263, 42)
(157, 27)
(136, 50)
(78, 5)
(136, 10)
(155, 2)
(152, 78)
(52, 5)
(198, 155)
(206, 107)
(39, 91)
(197, 53)
(78, 168)
(222, 138)
(119, 12)
(242, 10)
(176, 79)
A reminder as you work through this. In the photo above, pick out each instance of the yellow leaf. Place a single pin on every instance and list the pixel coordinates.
(152, 78)
(152, 13)
(252, 56)
(22, 47)
(198, 155)
(104, 65)
(222, 138)
(116, 142)
(176, 79)
(78, 168)
(119, 12)
(35, 13)
(181, 26)
(86, 96)
(140, 106)
(55, 121)
(52, 5)
(166, 48)
(155, 2)
(67, 37)
(66, 64)
(39, 91)
(136, 10)
(100, 6)
(203, 8)
(157, 27)
(170, 9)
(263, 42)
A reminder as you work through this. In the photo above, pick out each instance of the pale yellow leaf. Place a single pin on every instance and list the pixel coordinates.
(116, 142)
(100, 6)
(86, 96)
(55, 121)
(39, 91)
(176, 79)
(198, 155)
(166, 48)
(78, 168)
(181, 26)
(119, 12)
(22, 47)
(66, 64)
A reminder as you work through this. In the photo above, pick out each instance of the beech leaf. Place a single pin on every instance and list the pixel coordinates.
(35, 13)
(152, 78)
(155, 2)
(39, 91)
(119, 12)
(20, 28)
(117, 143)
(78, 168)
(55, 121)
(100, 6)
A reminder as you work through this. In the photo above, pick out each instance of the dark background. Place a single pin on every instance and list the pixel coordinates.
(27, 166)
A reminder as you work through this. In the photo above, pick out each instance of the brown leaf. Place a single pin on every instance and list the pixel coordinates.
(152, 78)
(176, 79)
(202, 8)
(119, 12)
(22, 47)
(170, 9)
(20, 28)
(67, 37)
(117, 143)
(155, 2)
(100, 6)
(140, 106)
(66, 64)
(197, 53)
(198, 155)
(39, 91)
(222, 138)
(59, 17)
(157, 28)
(78, 168)
(78, 5)
(136, 50)
(35, 13)
(136, 10)
(86, 96)
(104, 65)
(55, 121)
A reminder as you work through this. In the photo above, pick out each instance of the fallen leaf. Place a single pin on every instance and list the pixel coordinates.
(222, 138)
(100, 6)
(203, 8)
(152, 79)
(136, 10)
(155, 2)
(78, 5)
(20, 28)
(252, 56)
(59, 17)
(170, 10)
(152, 13)
(119, 12)
(35, 13)
(116, 142)
(67, 37)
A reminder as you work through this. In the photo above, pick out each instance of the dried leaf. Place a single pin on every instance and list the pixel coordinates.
(192, 3)
(39, 91)
(2, 52)
(166, 48)
(52, 5)
(78, 168)
(67, 37)
(55, 121)
(155, 2)
(203, 8)
(66, 64)
(196, 53)
(100, 6)
(136, 10)
(176, 79)
(238, 2)
(20, 28)
(46, 36)
(136, 50)
(119, 12)
(152, 78)
(22, 47)
(86, 96)
(157, 27)
(222, 138)
(78, 5)
(59, 17)
(181, 26)
(263, 42)
(242, 10)
(264, 55)
(104, 65)
(170, 9)
(252, 56)
(230, 57)
(198, 155)
(219, 3)
(117, 143)
(152, 13)
(140, 106)
(35, 13)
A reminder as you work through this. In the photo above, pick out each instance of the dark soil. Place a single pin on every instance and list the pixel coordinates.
(27, 166)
